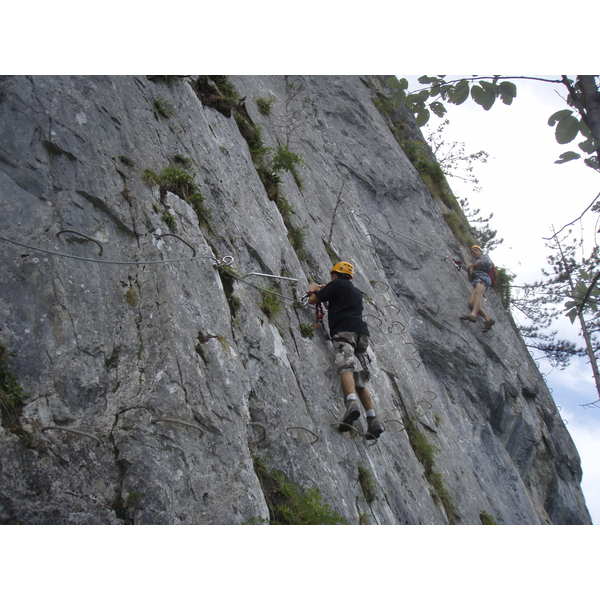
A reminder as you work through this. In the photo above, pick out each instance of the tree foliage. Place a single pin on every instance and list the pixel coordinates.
(437, 91)
(453, 158)
(484, 235)
(455, 162)
(569, 285)
(582, 118)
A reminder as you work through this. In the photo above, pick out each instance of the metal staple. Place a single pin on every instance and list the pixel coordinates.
(69, 430)
(179, 422)
(305, 429)
(264, 437)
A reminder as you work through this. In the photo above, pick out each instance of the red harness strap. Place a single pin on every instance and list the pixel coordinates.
(319, 311)
(319, 314)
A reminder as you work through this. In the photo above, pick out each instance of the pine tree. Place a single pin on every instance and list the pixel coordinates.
(570, 286)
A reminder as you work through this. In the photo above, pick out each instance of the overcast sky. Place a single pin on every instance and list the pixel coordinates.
(528, 193)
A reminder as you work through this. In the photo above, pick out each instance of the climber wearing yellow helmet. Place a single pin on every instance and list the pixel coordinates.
(350, 336)
(479, 271)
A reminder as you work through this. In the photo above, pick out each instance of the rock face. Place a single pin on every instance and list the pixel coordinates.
(159, 378)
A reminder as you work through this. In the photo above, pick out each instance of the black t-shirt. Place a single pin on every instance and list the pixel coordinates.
(345, 306)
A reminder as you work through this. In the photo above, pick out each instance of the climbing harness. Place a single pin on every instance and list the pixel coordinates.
(319, 310)
(319, 314)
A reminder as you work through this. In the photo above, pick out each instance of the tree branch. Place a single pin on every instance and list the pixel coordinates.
(591, 102)
(575, 101)
(498, 78)
(575, 221)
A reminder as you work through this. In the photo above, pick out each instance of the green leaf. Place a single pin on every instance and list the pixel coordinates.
(486, 85)
(484, 95)
(567, 129)
(566, 157)
(414, 103)
(398, 98)
(459, 93)
(572, 314)
(489, 95)
(401, 84)
(590, 145)
(585, 274)
(424, 79)
(585, 130)
(423, 117)
(557, 116)
(422, 96)
(438, 108)
(446, 90)
(508, 91)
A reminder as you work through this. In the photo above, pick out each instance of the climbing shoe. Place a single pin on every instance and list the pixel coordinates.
(374, 428)
(469, 317)
(352, 413)
(488, 325)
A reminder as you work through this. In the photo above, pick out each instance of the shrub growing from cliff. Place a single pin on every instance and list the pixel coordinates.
(487, 519)
(286, 160)
(265, 105)
(11, 393)
(289, 504)
(12, 396)
(367, 483)
(218, 92)
(269, 303)
(425, 452)
(163, 108)
(307, 331)
(178, 181)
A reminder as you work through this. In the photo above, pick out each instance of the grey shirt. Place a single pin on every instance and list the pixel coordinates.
(483, 266)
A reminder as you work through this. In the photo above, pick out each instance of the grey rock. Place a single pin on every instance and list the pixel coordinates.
(150, 390)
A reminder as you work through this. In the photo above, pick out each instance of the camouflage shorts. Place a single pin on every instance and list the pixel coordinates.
(345, 359)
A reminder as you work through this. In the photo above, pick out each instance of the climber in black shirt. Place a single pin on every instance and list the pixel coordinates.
(350, 336)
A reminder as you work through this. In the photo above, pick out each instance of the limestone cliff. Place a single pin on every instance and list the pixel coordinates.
(141, 218)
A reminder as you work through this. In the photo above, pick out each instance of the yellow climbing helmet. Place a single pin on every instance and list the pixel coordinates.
(343, 267)
(478, 248)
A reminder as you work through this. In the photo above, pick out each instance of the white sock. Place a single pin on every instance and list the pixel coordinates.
(370, 413)
(351, 397)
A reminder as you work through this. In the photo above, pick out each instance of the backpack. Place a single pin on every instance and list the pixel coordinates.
(493, 274)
